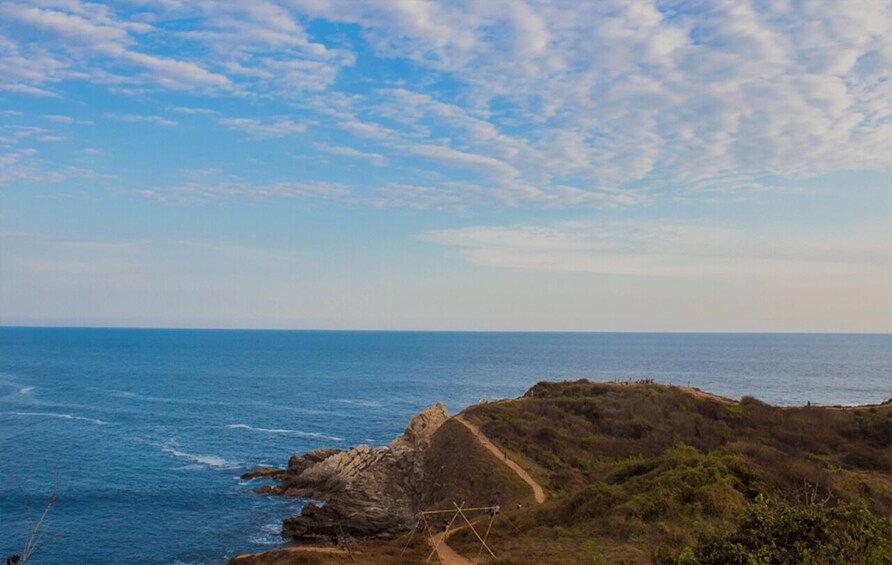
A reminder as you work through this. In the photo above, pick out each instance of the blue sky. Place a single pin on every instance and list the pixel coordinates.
(491, 165)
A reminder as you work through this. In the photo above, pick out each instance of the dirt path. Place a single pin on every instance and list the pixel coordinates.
(538, 493)
(446, 554)
(251, 557)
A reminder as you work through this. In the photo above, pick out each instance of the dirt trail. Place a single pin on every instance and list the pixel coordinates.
(538, 493)
(288, 549)
(446, 554)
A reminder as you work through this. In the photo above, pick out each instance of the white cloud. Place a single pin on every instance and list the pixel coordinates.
(375, 158)
(278, 127)
(612, 93)
(141, 118)
(72, 27)
(23, 166)
(488, 165)
(171, 73)
(547, 104)
(187, 110)
(59, 118)
(67, 120)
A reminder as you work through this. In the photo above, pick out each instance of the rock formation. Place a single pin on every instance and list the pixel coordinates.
(363, 492)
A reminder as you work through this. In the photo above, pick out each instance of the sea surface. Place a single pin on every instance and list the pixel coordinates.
(144, 433)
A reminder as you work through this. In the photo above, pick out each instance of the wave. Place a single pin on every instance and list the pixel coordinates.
(363, 403)
(26, 389)
(267, 540)
(61, 416)
(209, 460)
(297, 433)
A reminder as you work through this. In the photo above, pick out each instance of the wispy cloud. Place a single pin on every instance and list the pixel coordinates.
(187, 110)
(140, 118)
(278, 127)
(59, 118)
(657, 248)
(23, 166)
(375, 158)
(204, 193)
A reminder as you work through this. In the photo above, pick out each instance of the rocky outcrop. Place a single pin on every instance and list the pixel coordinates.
(363, 492)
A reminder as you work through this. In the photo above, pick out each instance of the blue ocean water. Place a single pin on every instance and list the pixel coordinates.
(145, 432)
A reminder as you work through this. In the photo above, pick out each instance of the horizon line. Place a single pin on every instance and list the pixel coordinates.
(391, 330)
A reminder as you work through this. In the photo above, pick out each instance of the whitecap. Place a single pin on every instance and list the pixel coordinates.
(265, 430)
(266, 541)
(297, 433)
(61, 416)
(209, 460)
(26, 390)
(363, 403)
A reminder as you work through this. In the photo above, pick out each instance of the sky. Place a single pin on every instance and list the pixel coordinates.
(723, 165)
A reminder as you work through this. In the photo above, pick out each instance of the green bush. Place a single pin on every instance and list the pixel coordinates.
(778, 533)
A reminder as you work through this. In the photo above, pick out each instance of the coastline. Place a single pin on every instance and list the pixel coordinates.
(382, 469)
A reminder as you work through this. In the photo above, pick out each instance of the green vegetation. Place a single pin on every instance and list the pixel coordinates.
(779, 533)
(646, 472)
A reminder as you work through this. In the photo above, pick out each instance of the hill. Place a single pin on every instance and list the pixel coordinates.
(641, 472)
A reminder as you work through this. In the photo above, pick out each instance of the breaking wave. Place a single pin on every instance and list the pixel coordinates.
(96, 421)
(297, 433)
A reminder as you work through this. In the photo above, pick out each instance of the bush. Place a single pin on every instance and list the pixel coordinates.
(779, 533)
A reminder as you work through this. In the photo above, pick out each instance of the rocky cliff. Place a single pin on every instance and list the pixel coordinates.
(362, 492)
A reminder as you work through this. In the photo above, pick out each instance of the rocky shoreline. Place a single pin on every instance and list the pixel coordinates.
(361, 492)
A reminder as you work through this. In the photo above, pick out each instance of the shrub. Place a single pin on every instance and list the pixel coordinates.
(779, 533)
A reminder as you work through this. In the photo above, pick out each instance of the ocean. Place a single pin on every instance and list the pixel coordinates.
(144, 433)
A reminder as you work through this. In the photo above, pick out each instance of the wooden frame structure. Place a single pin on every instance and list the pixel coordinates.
(458, 510)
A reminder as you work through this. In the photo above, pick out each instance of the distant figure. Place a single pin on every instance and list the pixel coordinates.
(519, 506)
(445, 524)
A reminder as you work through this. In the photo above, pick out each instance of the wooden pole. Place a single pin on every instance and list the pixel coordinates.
(486, 535)
(446, 531)
(470, 525)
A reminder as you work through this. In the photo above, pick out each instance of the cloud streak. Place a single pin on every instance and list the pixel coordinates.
(657, 249)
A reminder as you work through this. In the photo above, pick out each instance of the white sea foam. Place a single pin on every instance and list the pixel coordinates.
(297, 433)
(61, 416)
(209, 460)
(266, 540)
(26, 389)
(363, 403)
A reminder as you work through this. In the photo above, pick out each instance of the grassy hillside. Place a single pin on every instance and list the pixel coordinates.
(459, 469)
(636, 471)
(642, 473)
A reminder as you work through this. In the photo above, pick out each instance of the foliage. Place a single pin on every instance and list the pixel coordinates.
(634, 470)
(780, 533)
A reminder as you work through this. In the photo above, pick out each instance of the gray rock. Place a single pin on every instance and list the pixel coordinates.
(369, 493)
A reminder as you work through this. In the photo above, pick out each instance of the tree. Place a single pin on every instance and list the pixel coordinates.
(36, 539)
